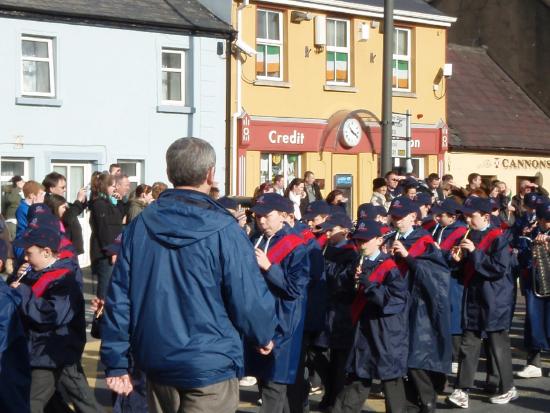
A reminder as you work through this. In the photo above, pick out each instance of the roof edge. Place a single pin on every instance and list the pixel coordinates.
(492, 149)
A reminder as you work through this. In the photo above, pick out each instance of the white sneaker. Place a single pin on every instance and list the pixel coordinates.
(459, 398)
(248, 381)
(315, 390)
(530, 372)
(454, 368)
(507, 397)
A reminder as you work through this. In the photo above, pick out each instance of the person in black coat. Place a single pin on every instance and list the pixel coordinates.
(55, 183)
(380, 347)
(488, 301)
(106, 224)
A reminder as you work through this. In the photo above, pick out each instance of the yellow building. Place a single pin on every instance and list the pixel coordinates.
(307, 91)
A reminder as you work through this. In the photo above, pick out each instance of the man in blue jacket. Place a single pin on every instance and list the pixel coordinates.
(185, 286)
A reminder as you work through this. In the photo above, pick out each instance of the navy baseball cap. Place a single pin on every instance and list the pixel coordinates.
(337, 220)
(368, 211)
(530, 200)
(382, 211)
(43, 237)
(424, 198)
(476, 204)
(403, 206)
(367, 230)
(271, 202)
(316, 208)
(543, 211)
(228, 203)
(449, 206)
(3, 251)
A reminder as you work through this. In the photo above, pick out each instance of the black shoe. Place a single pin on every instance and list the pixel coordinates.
(428, 408)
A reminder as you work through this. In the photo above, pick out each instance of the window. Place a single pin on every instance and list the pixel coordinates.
(77, 174)
(9, 168)
(37, 67)
(402, 60)
(134, 170)
(269, 45)
(286, 164)
(338, 52)
(173, 76)
(417, 164)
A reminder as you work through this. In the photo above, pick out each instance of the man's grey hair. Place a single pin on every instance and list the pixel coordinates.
(188, 161)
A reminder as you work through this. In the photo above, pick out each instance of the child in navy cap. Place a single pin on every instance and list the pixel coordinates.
(379, 311)
(15, 371)
(421, 261)
(484, 256)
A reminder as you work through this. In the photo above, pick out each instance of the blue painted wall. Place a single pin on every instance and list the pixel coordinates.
(108, 85)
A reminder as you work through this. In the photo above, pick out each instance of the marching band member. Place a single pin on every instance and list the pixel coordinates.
(488, 288)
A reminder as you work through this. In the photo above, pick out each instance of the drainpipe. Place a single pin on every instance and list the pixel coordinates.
(238, 109)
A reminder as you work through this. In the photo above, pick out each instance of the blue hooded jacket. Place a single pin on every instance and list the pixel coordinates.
(185, 285)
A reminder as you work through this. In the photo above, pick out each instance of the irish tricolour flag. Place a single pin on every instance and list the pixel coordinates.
(401, 74)
(337, 67)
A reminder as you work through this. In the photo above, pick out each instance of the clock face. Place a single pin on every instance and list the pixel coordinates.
(351, 132)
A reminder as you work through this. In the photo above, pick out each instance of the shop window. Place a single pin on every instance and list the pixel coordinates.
(520, 179)
(417, 163)
(402, 60)
(37, 66)
(77, 174)
(269, 45)
(134, 170)
(338, 52)
(287, 164)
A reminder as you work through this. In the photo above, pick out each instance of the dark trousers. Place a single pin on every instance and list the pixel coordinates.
(102, 269)
(499, 343)
(457, 339)
(421, 389)
(274, 397)
(220, 397)
(298, 392)
(336, 375)
(354, 394)
(533, 358)
(71, 380)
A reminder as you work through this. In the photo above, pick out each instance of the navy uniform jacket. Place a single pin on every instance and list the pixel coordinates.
(447, 237)
(185, 285)
(316, 308)
(489, 294)
(15, 370)
(381, 344)
(340, 264)
(287, 282)
(52, 310)
(430, 312)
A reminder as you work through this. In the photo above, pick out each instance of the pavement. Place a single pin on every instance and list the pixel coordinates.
(534, 394)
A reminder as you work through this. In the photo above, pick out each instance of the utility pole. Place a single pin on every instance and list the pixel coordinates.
(387, 87)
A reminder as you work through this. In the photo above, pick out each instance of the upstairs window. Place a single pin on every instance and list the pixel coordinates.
(269, 45)
(402, 60)
(338, 52)
(173, 77)
(37, 67)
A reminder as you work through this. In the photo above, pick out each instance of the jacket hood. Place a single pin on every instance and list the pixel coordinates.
(180, 217)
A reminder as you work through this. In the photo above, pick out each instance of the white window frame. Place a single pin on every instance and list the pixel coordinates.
(285, 164)
(408, 58)
(337, 49)
(271, 42)
(421, 164)
(50, 60)
(182, 72)
(140, 167)
(87, 174)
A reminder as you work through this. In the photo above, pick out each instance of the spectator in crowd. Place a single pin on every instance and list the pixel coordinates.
(214, 194)
(193, 365)
(143, 197)
(12, 199)
(409, 190)
(106, 224)
(55, 183)
(122, 194)
(392, 179)
(279, 184)
(157, 189)
(379, 190)
(518, 202)
(295, 192)
(312, 192)
(474, 184)
(336, 198)
(115, 169)
(34, 194)
(264, 188)
(447, 179)
(58, 206)
(433, 186)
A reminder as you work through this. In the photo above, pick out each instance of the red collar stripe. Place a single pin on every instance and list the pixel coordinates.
(280, 250)
(454, 236)
(416, 250)
(40, 286)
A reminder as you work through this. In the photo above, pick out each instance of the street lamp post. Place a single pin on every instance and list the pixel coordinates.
(387, 87)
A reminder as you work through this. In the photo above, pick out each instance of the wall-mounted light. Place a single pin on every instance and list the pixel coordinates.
(364, 32)
(320, 31)
(448, 70)
(299, 16)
